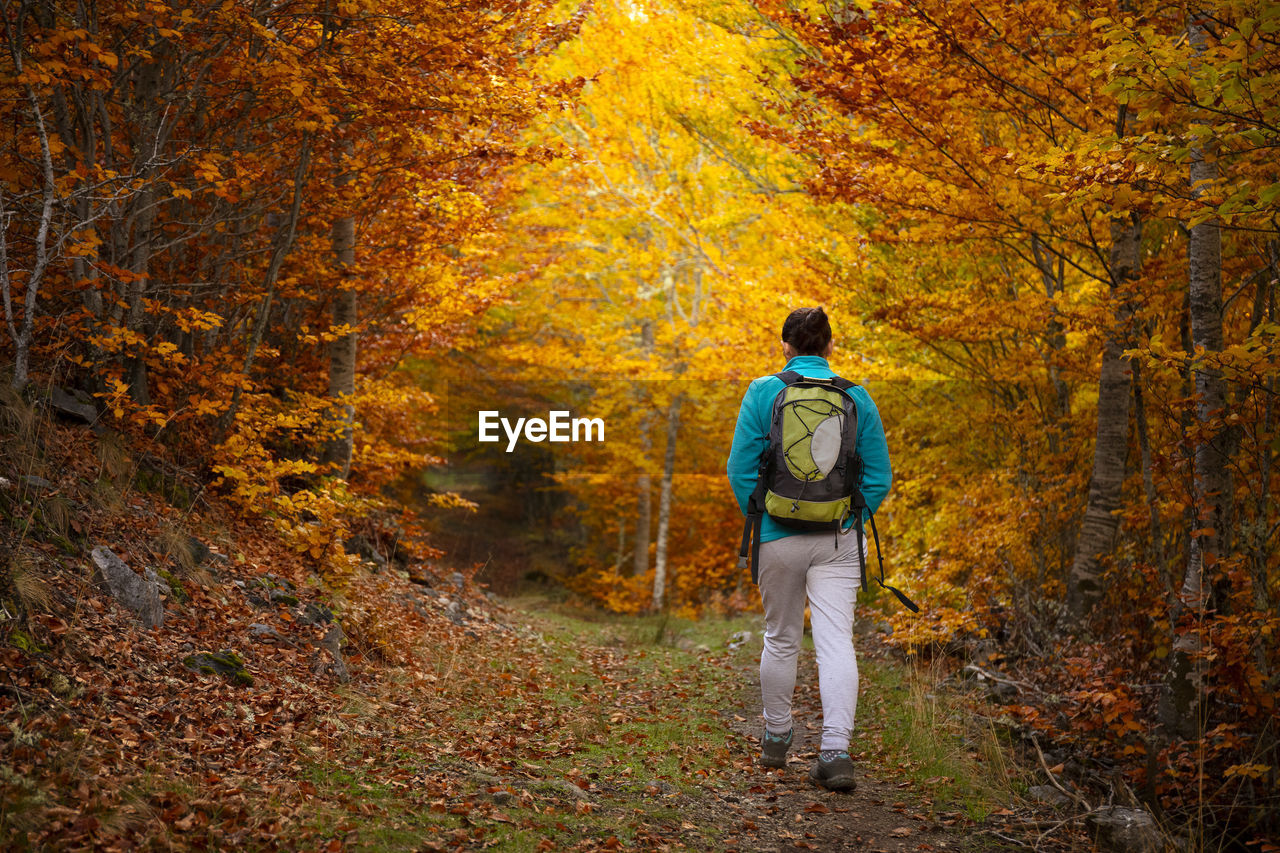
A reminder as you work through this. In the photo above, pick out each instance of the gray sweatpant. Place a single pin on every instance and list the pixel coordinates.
(825, 571)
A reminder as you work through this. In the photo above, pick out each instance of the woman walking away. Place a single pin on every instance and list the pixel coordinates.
(820, 567)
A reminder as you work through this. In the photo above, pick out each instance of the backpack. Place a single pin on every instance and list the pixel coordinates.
(810, 472)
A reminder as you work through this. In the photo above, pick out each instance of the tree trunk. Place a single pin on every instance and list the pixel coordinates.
(22, 331)
(136, 365)
(622, 545)
(342, 351)
(1111, 448)
(1180, 709)
(283, 244)
(644, 507)
(1057, 337)
(644, 489)
(144, 109)
(1257, 544)
(664, 506)
(1155, 545)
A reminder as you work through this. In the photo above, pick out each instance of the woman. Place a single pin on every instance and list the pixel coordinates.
(796, 566)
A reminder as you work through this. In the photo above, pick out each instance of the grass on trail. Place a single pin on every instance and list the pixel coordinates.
(566, 733)
(574, 730)
(930, 737)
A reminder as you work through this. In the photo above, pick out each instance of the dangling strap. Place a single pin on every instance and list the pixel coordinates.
(755, 519)
(862, 556)
(856, 505)
(751, 545)
(906, 602)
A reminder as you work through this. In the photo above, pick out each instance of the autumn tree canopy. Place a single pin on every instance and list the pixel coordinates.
(230, 223)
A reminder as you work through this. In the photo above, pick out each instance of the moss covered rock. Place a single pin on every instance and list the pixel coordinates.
(228, 664)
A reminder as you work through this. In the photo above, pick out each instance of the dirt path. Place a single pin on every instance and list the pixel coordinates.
(779, 810)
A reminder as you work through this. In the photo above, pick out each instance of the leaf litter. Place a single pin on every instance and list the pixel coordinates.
(478, 726)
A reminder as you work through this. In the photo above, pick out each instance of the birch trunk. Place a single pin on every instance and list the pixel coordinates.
(644, 487)
(644, 508)
(1181, 703)
(664, 506)
(21, 330)
(1111, 446)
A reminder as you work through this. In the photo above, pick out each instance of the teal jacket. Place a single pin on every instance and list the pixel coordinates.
(751, 436)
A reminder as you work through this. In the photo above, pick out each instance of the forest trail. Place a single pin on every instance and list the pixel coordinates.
(406, 709)
(522, 726)
(455, 721)
(783, 810)
(707, 694)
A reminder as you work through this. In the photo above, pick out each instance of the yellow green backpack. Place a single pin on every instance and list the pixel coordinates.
(810, 472)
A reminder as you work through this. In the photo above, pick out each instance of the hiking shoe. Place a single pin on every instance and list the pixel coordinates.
(834, 771)
(773, 748)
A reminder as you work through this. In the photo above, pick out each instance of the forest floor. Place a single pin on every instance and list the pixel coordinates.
(521, 727)
(403, 707)
(932, 778)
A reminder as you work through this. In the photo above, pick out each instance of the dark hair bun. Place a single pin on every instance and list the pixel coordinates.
(808, 331)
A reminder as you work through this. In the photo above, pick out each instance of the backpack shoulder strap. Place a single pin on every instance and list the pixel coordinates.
(790, 377)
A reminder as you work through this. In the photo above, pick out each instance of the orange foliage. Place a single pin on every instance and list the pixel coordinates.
(194, 158)
(994, 146)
